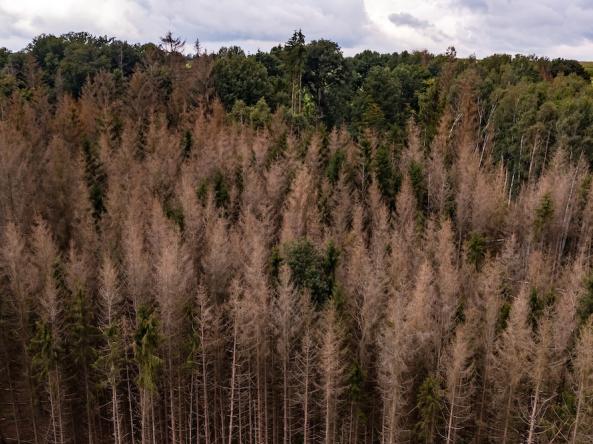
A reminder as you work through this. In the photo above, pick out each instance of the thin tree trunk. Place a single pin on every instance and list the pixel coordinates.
(532, 419)
(52, 404)
(191, 409)
(130, 402)
(251, 413)
(172, 399)
(579, 408)
(450, 423)
(143, 416)
(152, 415)
(482, 402)
(306, 404)
(285, 397)
(328, 409)
(13, 403)
(197, 415)
(205, 389)
(180, 409)
(32, 401)
(507, 415)
(260, 400)
(89, 416)
(233, 373)
(117, 435)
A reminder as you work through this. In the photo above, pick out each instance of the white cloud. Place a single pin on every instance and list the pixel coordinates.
(482, 27)
(544, 27)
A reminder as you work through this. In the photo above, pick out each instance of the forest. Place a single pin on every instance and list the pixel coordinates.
(293, 246)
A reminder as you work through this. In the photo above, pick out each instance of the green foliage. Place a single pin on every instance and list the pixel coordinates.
(4, 57)
(311, 269)
(568, 67)
(503, 316)
(327, 78)
(146, 343)
(459, 316)
(585, 303)
(96, 179)
(202, 192)
(175, 213)
(240, 111)
(8, 84)
(429, 404)
(372, 115)
(237, 77)
(543, 213)
(187, 143)
(387, 178)
(538, 305)
(588, 67)
(364, 61)
(110, 360)
(356, 380)
(561, 418)
(45, 350)
(260, 114)
(412, 78)
(295, 50)
(71, 59)
(221, 190)
(334, 166)
(279, 145)
(475, 248)
(418, 183)
(275, 263)
(378, 104)
(429, 109)
(83, 334)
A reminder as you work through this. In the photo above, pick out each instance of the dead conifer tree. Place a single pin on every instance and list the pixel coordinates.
(47, 341)
(447, 281)
(393, 350)
(582, 430)
(295, 224)
(137, 274)
(305, 366)
(287, 324)
(419, 316)
(207, 331)
(539, 373)
(459, 384)
(513, 351)
(331, 368)
(15, 260)
(172, 281)
(111, 299)
(256, 323)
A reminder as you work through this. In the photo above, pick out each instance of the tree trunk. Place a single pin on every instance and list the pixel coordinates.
(579, 408)
(205, 388)
(450, 423)
(507, 416)
(233, 373)
(533, 417)
(117, 435)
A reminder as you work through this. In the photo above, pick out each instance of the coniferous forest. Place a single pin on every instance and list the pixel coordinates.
(293, 246)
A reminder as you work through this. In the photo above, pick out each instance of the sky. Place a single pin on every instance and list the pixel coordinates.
(553, 28)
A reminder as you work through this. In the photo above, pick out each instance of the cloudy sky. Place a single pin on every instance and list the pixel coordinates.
(481, 27)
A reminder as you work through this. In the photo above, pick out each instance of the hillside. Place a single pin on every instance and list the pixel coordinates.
(588, 67)
(293, 246)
